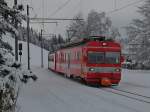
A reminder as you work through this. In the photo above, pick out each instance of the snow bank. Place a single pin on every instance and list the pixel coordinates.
(35, 52)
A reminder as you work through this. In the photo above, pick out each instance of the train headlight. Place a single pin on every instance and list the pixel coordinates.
(118, 70)
(104, 44)
(91, 69)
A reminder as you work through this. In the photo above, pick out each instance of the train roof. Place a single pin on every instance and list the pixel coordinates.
(84, 41)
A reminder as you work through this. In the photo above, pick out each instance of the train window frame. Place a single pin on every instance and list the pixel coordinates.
(61, 57)
(118, 59)
(78, 55)
(105, 53)
(90, 62)
(76, 58)
(64, 57)
(51, 58)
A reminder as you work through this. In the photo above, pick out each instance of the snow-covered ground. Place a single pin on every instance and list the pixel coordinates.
(54, 93)
(35, 52)
(136, 80)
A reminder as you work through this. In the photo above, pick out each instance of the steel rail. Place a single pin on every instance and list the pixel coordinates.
(134, 93)
(125, 95)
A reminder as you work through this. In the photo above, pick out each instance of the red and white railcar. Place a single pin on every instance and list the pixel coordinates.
(96, 61)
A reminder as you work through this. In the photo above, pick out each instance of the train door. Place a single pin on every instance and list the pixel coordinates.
(48, 61)
(68, 61)
(68, 65)
(55, 58)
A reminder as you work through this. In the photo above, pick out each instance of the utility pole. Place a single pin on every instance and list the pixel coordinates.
(42, 65)
(28, 37)
(41, 38)
(15, 2)
(16, 37)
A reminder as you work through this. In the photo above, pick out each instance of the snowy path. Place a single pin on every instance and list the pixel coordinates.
(54, 93)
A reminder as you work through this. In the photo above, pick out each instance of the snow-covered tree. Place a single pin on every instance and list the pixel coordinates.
(77, 28)
(97, 24)
(114, 33)
(139, 35)
(60, 39)
(11, 74)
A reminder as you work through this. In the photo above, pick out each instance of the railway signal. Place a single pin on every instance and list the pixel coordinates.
(20, 51)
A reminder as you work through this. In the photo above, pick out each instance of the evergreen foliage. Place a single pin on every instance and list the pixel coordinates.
(97, 24)
(11, 73)
(139, 36)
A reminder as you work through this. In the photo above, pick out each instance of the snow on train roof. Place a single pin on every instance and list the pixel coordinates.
(81, 41)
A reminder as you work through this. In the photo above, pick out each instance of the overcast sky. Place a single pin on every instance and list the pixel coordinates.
(120, 18)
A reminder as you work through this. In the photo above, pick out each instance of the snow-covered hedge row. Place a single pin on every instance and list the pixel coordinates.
(11, 78)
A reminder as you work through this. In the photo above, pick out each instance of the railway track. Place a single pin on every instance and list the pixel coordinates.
(134, 93)
(128, 94)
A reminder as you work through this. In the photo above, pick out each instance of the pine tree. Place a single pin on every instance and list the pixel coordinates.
(10, 72)
(139, 35)
(97, 24)
(60, 39)
(77, 28)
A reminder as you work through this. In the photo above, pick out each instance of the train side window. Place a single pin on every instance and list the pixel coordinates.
(74, 56)
(51, 58)
(48, 58)
(70, 56)
(64, 57)
(60, 57)
(61, 54)
(78, 55)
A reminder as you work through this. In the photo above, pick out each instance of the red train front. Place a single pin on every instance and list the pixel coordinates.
(95, 61)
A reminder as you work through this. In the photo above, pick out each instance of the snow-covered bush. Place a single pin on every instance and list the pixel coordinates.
(11, 73)
(8, 83)
(11, 77)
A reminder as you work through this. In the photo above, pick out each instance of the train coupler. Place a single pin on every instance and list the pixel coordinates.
(105, 82)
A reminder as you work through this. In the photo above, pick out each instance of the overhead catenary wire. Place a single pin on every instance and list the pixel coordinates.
(124, 7)
(109, 12)
(60, 8)
(35, 22)
(80, 3)
(59, 19)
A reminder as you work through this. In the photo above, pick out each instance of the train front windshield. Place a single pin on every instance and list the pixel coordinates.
(104, 57)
